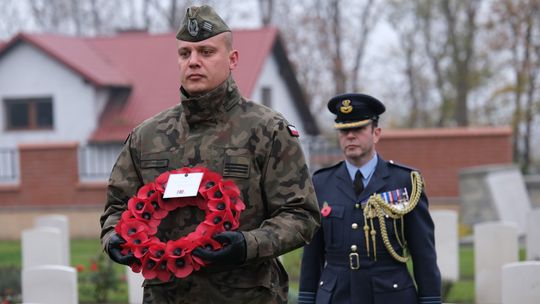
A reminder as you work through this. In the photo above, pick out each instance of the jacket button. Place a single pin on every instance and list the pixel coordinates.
(357, 206)
(395, 286)
(354, 248)
(354, 226)
(321, 283)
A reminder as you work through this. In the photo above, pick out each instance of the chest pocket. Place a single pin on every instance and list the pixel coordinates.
(153, 164)
(333, 226)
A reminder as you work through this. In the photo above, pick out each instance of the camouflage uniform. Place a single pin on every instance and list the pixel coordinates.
(247, 143)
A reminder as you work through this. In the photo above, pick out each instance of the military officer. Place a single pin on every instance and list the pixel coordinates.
(215, 127)
(374, 215)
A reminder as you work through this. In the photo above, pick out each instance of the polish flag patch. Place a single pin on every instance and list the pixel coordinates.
(293, 131)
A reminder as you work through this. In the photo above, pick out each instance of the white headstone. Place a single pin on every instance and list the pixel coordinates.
(509, 187)
(521, 283)
(447, 243)
(532, 242)
(135, 289)
(495, 244)
(50, 284)
(60, 222)
(494, 193)
(42, 246)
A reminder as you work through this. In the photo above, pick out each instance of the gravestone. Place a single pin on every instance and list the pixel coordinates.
(495, 244)
(532, 242)
(135, 289)
(42, 246)
(447, 243)
(60, 222)
(521, 283)
(494, 193)
(50, 284)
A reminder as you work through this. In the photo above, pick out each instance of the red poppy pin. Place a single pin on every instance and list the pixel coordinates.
(326, 209)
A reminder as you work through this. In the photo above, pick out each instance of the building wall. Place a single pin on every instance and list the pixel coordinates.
(27, 72)
(441, 153)
(281, 98)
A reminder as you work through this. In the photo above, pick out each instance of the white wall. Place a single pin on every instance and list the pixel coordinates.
(281, 99)
(27, 72)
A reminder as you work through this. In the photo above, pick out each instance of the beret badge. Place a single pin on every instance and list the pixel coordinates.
(346, 107)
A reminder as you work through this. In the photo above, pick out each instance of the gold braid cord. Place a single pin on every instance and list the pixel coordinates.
(377, 206)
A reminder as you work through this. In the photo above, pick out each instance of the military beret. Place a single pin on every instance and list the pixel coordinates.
(355, 110)
(200, 23)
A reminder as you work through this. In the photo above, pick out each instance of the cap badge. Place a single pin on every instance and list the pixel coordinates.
(346, 107)
(193, 27)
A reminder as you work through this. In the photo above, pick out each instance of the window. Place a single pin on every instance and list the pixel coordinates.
(267, 96)
(29, 113)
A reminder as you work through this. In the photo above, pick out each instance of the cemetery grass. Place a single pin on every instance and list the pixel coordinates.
(86, 253)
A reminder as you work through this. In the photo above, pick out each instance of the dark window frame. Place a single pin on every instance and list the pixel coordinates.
(34, 119)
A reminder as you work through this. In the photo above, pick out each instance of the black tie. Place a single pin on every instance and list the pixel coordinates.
(357, 183)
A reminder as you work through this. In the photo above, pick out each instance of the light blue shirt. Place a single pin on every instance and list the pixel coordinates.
(367, 169)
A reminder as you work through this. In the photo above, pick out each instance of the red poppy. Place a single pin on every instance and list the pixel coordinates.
(178, 261)
(154, 264)
(325, 211)
(79, 267)
(93, 266)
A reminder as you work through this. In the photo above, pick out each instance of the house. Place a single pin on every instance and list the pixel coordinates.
(95, 90)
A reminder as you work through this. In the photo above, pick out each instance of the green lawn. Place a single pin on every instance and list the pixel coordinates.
(86, 252)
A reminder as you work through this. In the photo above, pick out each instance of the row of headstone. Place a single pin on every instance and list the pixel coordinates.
(499, 277)
(46, 275)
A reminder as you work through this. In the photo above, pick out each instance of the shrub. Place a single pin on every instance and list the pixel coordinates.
(10, 284)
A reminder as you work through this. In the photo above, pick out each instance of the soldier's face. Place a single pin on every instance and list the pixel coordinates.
(358, 144)
(204, 65)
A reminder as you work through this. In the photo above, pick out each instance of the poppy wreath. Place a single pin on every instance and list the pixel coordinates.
(218, 198)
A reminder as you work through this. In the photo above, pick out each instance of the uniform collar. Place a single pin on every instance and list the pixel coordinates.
(210, 106)
(367, 169)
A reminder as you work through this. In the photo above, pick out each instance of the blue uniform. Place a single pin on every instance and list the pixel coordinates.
(330, 274)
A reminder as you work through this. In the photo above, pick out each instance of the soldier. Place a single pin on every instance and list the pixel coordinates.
(215, 127)
(374, 212)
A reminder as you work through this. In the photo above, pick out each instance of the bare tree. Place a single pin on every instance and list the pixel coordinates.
(266, 7)
(10, 19)
(445, 32)
(519, 23)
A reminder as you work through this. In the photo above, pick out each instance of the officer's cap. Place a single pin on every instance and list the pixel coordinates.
(200, 23)
(355, 110)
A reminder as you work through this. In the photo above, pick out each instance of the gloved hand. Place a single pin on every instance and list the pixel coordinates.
(232, 253)
(114, 248)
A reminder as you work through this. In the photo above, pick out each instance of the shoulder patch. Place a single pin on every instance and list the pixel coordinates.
(327, 168)
(293, 131)
(391, 162)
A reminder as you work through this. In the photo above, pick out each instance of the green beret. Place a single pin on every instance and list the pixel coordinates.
(200, 23)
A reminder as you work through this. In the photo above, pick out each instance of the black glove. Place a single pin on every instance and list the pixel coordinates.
(114, 249)
(232, 253)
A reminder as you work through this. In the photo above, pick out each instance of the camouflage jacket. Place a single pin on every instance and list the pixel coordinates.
(245, 142)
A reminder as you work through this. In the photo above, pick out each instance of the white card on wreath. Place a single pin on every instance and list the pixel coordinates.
(183, 185)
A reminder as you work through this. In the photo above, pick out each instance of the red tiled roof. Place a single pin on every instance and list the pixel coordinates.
(145, 64)
(77, 54)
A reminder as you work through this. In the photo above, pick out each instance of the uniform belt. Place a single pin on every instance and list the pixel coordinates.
(359, 260)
